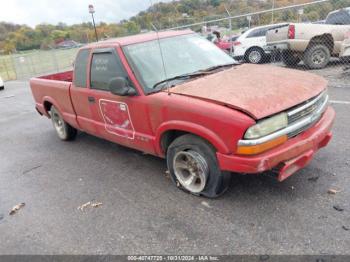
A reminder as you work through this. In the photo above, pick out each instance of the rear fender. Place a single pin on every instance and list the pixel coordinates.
(325, 39)
(52, 102)
(69, 118)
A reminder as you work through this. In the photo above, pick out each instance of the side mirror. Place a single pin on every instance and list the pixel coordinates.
(119, 86)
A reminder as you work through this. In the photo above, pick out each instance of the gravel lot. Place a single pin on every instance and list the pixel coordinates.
(143, 213)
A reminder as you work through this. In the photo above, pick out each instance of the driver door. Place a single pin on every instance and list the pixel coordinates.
(117, 118)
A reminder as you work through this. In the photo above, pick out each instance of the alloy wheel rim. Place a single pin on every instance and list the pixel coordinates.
(191, 170)
(318, 57)
(58, 123)
(254, 57)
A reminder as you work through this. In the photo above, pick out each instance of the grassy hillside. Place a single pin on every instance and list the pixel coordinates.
(14, 38)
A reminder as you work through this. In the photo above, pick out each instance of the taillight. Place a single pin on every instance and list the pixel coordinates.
(236, 43)
(291, 32)
(347, 35)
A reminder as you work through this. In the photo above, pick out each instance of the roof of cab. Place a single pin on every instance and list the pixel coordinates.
(139, 38)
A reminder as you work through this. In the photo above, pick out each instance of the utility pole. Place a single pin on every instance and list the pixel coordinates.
(249, 18)
(92, 11)
(230, 25)
(273, 10)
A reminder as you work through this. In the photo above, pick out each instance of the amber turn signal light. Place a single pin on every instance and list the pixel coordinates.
(256, 149)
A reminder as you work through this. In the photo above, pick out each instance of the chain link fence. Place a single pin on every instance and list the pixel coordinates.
(312, 35)
(25, 65)
(267, 36)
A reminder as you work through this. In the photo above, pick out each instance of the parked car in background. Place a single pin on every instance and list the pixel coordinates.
(219, 42)
(234, 38)
(67, 44)
(314, 44)
(2, 86)
(250, 45)
(206, 116)
(345, 48)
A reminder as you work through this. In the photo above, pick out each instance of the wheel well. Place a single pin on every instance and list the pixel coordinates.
(326, 39)
(47, 106)
(168, 137)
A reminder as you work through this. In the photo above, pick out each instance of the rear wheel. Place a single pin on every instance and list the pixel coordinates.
(317, 56)
(289, 58)
(255, 55)
(193, 167)
(63, 129)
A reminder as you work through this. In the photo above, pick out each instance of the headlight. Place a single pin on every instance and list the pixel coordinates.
(267, 126)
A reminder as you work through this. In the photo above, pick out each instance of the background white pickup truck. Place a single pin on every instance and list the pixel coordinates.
(345, 48)
(314, 44)
(1, 84)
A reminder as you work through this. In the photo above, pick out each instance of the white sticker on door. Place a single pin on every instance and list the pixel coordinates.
(117, 118)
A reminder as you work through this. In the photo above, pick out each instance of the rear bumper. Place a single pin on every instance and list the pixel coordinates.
(277, 46)
(289, 157)
(41, 110)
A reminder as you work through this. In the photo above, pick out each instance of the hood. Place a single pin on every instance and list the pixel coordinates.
(257, 90)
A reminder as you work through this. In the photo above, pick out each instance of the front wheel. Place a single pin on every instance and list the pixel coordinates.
(255, 55)
(63, 129)
(194, 168)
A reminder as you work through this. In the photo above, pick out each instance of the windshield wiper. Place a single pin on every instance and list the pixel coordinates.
(217, 67)
(184, 76)
(194, 74)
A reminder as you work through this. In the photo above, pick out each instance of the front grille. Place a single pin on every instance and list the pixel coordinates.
(312, 107)
(302, 129)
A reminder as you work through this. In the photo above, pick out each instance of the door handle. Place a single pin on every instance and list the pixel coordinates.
(91, 99)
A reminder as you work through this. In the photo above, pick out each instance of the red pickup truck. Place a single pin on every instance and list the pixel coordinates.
(177, 96)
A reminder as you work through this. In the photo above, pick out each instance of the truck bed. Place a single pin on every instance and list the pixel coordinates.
(62, 76)
(54, 89)
(304, 33)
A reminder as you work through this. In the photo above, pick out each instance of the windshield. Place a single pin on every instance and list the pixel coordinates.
(182, 55)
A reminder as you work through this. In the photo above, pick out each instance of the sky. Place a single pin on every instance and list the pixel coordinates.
(33, 12)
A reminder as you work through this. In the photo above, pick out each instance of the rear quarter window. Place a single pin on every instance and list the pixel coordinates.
(80, 67)
(258, 33)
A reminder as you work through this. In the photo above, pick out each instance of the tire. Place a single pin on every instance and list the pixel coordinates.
(194, 168)
(63, 129)
(255, 55)
(289, 59)
(317, 56)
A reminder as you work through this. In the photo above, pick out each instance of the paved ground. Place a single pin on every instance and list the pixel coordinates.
(143, 212)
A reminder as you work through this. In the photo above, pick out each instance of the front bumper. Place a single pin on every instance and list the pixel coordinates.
(289, 157)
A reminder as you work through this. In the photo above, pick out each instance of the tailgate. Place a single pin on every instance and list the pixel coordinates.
(278, 34)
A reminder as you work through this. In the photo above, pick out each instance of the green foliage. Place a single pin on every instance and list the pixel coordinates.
(163, 15)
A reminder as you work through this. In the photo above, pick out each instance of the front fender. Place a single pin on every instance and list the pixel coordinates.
(192, 128)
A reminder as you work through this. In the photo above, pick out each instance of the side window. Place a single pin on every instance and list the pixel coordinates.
(341, 17)
(262, 32)
(80, 68)
(258, 33)
(104, 67)
(253, 33)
